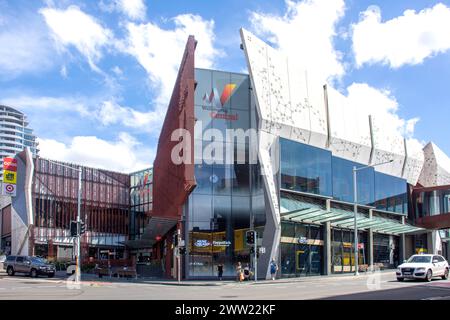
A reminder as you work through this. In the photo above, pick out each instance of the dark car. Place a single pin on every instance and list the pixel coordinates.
(33, 266)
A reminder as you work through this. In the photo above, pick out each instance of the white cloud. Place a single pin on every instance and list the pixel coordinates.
(48, 104)
(382, 105)
(407, 39)
(305, 31)
(159, 51)
(111, 112)
(134, 9)
(123, 155)
(24, 47)
(73, 27)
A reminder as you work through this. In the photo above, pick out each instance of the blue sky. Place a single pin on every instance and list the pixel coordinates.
(94, 77)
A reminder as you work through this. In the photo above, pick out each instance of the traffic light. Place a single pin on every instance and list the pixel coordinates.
(175, 240)
(73, 229)
(250, 237)
(82, 227)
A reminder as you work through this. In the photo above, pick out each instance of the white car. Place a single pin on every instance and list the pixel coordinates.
(423, 266)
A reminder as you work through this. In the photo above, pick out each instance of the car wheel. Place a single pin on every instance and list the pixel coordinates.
(429, 275)
(33, 273)
(445, 276)
(400, 279)
(10, 271)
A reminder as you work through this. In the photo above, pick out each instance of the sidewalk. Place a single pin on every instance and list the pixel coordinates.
(94, 279)
(351, 276)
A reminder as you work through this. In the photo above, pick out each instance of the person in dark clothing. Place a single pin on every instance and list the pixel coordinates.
(220, 271)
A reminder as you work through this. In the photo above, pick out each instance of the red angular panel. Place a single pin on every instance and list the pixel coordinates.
(173, 183)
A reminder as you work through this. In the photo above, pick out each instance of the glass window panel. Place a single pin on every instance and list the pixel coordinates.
(240, 99)
(204, 179)
(305, 168)
(390, 193)
(201, 207)
(204, 85)
(343, 181)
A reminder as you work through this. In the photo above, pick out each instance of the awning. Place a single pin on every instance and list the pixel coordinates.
(298, 209)
(156, 227)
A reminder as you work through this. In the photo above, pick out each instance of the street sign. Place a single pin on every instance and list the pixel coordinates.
(9, 189)
(10, 164)
(9, 177)
(262, 250)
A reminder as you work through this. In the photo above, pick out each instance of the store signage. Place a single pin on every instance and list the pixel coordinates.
(8, 189)
(302, 240)
(10, 164)
(221, 243)
(202, 243)
(9, 177)
(216, 104)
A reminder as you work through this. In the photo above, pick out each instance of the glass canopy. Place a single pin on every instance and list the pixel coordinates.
(298, 210)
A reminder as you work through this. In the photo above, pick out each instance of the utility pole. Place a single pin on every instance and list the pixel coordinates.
(355, 207)
(78, 236)
(256, 256)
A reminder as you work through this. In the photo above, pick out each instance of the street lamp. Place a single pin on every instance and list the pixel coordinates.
(355, 207)
(77, 269)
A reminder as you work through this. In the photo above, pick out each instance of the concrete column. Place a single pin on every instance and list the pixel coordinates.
(430, 242)
(370, 242)
(448, 250)
(327, 243)
(402, 245)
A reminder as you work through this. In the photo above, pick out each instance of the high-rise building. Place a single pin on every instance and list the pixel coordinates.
(15, 134)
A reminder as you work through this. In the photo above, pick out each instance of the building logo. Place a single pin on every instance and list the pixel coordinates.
(202, 243)
(215, 103)
(9, 189)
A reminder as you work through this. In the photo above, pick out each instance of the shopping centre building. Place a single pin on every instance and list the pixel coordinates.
(274, 151)
(114, 207)
(297, 192)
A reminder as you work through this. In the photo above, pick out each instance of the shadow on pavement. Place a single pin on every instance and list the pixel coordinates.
(418, 292)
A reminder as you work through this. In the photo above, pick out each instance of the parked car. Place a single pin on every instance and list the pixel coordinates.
(423, 266)
(32, 266)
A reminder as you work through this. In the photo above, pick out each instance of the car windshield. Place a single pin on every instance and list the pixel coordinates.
(420, 259)
(38, 260)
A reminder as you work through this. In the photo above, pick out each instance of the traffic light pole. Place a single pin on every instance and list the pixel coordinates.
(178, 256)
(256, 256)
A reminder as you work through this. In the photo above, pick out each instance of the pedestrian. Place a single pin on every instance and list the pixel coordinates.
(239, 275)
(273, 269)
(247, 272)
(220, 271)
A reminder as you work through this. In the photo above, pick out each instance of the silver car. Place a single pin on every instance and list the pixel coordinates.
(32, 266)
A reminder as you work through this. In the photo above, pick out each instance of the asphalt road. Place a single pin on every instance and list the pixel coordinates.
(379, 286)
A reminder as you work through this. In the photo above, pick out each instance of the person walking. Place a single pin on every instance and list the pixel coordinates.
(247, 272)
(220, 271)
(273, 269)
(239, 272)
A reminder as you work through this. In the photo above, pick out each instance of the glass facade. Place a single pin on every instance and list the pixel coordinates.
(229, 198)
(431, 203)
(385, 250)
(141, 191)
(313, 170)
(305, 168)
(343, 250)
(301, 249)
